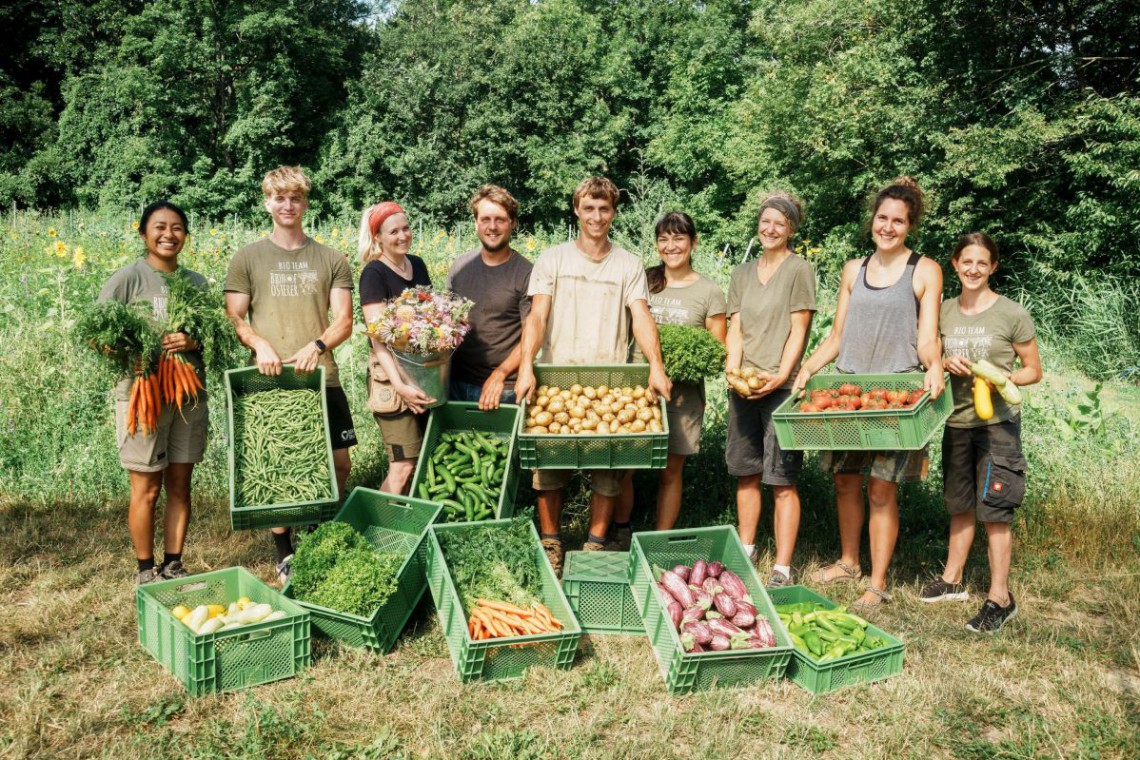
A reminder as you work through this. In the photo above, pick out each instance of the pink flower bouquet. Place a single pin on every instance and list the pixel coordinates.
(423, 321)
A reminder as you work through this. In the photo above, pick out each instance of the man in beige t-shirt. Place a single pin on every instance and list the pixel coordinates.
(586, 295)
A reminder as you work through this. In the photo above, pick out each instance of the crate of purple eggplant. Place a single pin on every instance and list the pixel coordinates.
(707, 615)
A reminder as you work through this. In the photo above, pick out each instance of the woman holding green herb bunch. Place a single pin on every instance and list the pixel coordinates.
(163, 454)
(770, 302)
(983, 468)
(400, 409)
(678, 296)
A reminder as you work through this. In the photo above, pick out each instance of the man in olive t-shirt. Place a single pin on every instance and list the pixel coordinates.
(495, 277)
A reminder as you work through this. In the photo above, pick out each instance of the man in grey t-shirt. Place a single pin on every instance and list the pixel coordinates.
(495, 277)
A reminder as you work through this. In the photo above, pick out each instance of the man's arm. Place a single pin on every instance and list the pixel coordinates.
(338, 331)
(534, 330)
(493, 386)
(645, 333)
(237, 308)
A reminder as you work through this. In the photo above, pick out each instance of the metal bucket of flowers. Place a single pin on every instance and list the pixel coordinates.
(422, 328)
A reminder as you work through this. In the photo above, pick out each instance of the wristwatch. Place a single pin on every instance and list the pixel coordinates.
(321, 345)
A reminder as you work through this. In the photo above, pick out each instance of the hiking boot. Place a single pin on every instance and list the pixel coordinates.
(148, 576)
(593, 546)
(285, 570)
(171, 570)
(554, 554)
(940, 591)
(779, 580)
(992, 616)
(619, 540)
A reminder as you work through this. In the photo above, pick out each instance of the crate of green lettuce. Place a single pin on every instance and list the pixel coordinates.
(280, 453)
(361, 575)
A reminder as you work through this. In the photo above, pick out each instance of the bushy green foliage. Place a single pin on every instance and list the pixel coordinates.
(336, 567)
(690, 353)
(494, 563)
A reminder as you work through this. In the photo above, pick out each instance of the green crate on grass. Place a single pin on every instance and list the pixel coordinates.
(246, 381)
(391, 524)
(687, 672)
(585, 452)
(822, 677)
(461, 416)
(863, 430)
(597, 586)
(507, 658)
(225, 660)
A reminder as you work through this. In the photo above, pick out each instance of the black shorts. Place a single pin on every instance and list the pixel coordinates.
(752, 447)
(341, 430)
(983, 469)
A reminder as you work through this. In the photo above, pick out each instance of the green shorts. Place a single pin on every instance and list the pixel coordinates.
(605, 482)
(403, 434)
(686, 413)
(179, 439)
(890, 466)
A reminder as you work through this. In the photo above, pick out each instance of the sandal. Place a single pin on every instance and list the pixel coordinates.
(859, 607)
(849, 574)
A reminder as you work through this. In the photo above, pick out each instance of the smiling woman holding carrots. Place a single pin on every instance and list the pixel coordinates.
(162, 452)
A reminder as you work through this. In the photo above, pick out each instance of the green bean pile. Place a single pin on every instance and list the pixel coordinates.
(280, 455)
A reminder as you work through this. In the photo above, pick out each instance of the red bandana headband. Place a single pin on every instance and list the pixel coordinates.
(380, 212)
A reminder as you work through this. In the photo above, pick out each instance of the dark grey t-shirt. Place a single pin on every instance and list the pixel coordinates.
(501, 305)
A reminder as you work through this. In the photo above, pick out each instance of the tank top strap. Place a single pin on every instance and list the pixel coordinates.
(912, 260)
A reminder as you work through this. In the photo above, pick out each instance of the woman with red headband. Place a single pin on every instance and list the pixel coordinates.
(385, 239)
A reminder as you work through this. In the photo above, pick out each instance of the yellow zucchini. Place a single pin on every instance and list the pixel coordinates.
(983, 404)
(1006, 387)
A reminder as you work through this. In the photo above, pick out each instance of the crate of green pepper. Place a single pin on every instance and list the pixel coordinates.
(833, 648)
(469, 462)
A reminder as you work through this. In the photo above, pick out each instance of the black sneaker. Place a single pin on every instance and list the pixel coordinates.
(148, 576)
(992, 616)
(619, 540)
(285, 571)
(941, 591)
(173, 569)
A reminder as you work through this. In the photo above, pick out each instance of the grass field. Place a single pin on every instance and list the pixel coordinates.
(1063, 680)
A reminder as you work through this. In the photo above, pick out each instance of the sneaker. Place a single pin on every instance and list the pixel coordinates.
(285, 570)
(554, 554)
(148, 576)
(171, 570)
(779, 580)
(591, 546)
(941, 591)
(619, 540)
(992, 616)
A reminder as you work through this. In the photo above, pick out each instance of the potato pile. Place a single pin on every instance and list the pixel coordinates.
(746, 380)
(591, 410)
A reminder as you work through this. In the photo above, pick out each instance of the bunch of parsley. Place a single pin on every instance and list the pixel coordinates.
(336, 567)
(691, 353)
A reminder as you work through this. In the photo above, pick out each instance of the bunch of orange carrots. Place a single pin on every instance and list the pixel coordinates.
(175, 382)
(490, 620)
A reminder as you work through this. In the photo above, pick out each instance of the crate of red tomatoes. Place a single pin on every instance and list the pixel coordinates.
(862, 412)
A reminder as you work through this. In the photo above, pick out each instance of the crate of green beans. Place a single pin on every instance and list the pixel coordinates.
(469, 463)
(280, 453)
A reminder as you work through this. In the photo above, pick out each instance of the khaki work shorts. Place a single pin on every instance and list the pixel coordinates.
(179, 439)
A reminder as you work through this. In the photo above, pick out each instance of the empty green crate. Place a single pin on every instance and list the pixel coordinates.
(460, 416)
(820, 678)
(687, 672)
(584, 452)
(245, 381)
(597, 586)
(870, 430)
(498, 659)
(225, 660)
(391, 524)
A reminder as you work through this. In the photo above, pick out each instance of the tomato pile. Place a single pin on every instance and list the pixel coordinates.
(849, 397)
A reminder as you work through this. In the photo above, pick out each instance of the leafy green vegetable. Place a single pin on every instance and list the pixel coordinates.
(337, 568)
(494, 562)
(691, 353)
(201, 314)
(124, 335)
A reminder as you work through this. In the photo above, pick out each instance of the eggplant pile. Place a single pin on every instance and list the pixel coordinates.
(710, 607)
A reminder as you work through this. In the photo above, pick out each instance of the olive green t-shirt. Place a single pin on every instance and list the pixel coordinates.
(988, 335)
(139, 281)
(765, 311)
(289, 294)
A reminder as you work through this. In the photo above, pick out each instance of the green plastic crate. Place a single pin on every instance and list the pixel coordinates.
(687, 672)
(587, 452)
(821, 678)
(247, 380)
(222, 661)
(498, 659)
(871, 430)
(597, 586)
(391, 524)
(460, 416)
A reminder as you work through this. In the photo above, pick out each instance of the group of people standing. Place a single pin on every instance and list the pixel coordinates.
(588, 301)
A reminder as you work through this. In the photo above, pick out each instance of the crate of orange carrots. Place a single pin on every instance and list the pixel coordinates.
(500, 605)
(134, 339)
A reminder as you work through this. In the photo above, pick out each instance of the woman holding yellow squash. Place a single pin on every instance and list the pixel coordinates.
(983, 335)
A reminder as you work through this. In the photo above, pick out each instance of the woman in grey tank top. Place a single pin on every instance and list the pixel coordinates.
(886, 321)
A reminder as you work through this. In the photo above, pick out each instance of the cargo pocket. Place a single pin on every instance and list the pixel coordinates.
(1003, 486)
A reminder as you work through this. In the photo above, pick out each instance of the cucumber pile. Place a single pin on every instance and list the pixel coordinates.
(827, 633)
(465, 474)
